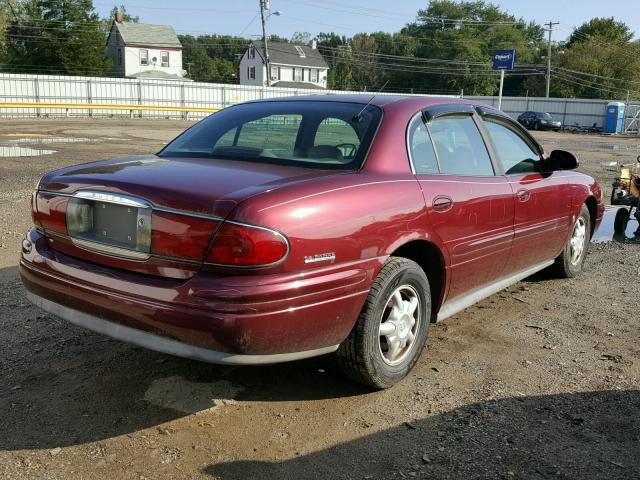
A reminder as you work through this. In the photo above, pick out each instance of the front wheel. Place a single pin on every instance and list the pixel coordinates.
(569, 263)
(392, 328)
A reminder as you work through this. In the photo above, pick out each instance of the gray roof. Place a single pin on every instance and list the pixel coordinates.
(287, 54)
(305, 85)
(148, 35)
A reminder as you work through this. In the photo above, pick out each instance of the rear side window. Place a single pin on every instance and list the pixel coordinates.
(460, 147)
(516, 155)
(423, 156)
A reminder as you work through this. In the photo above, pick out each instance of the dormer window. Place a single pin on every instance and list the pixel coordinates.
(301, 53)
(252, 52)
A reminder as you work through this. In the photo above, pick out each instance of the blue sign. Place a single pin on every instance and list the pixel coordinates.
(504, 59)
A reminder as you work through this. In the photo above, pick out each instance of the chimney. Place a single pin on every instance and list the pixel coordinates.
(314, 44)
(119, 17)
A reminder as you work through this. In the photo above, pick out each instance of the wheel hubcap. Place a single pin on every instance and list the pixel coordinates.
(577, 242)
(399, 324)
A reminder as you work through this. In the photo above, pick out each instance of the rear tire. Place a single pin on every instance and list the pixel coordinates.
(570, 262)
(621, 220)
(392, 328)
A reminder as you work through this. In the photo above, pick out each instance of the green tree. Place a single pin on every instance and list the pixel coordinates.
(463, 35)
(57, 36)
(603, 29)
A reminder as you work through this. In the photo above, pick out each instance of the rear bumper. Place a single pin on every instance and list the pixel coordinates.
(247, 319)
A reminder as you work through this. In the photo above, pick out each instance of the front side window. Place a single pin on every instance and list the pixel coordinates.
(164, 58)
(460, 147)
(327, 135)
(423, 156)
(144, 57)
(516, 155)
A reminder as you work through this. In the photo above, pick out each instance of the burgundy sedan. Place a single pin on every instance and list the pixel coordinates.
(283, 229)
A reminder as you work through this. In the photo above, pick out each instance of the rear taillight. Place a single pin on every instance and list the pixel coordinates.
(50, 212)
(181, 236)
(34, 211)
(247, 246)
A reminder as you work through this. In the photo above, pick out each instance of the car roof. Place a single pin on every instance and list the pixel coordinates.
(411, 102)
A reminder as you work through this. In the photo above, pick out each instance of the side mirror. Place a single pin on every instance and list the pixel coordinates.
(562, 160)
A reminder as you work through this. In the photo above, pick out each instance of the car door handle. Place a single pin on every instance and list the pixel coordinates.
(442, 204)
(523, 195)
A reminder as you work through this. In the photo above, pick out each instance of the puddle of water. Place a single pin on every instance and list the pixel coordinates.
(606, 234)
(14, 151)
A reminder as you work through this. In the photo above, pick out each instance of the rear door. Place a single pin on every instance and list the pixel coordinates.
(542, 206)
(469, 203)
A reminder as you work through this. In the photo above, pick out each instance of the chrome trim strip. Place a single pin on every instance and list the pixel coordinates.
(147, 204)
(109, 249)
(175, 211)
(108, 197)
(466, 300)
(163, 344)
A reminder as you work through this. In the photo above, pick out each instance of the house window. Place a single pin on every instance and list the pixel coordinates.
(314, 75)
(297, 74)
(252, 73)
(164, 58)
(301, 53)
(119, 56)
(252, 52)
(144, 57)
(275, 73)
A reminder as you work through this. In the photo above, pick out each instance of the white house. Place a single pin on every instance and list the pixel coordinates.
(138, 50)
(296, 66)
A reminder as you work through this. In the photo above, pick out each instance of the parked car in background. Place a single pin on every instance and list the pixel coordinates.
(287, 228)
(539, 121)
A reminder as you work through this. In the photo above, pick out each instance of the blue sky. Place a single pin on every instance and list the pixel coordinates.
(347, 17)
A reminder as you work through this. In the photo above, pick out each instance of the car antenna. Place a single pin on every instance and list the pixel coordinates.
(358, 116)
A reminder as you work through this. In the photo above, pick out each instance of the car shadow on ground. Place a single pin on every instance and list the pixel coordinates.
(62, 385)
(568, 436)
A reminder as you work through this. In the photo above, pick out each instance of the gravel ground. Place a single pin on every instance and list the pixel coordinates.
(539, 381)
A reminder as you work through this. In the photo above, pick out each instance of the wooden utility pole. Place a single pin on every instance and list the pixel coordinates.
(264, 5)
(550, 30)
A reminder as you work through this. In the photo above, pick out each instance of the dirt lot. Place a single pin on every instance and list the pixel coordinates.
(539, 381)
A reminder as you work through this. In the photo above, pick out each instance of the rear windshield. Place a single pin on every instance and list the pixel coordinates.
(327, 135)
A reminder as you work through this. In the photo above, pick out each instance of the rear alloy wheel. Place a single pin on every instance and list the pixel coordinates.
(392, 328)
(569, 263)
(621, 220)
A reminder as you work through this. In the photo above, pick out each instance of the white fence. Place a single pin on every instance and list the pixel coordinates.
(123, 91)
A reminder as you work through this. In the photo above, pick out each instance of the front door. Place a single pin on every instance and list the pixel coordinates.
(470, 208)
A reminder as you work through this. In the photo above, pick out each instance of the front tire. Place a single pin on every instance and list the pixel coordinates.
(392, 328)
(570, 262)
